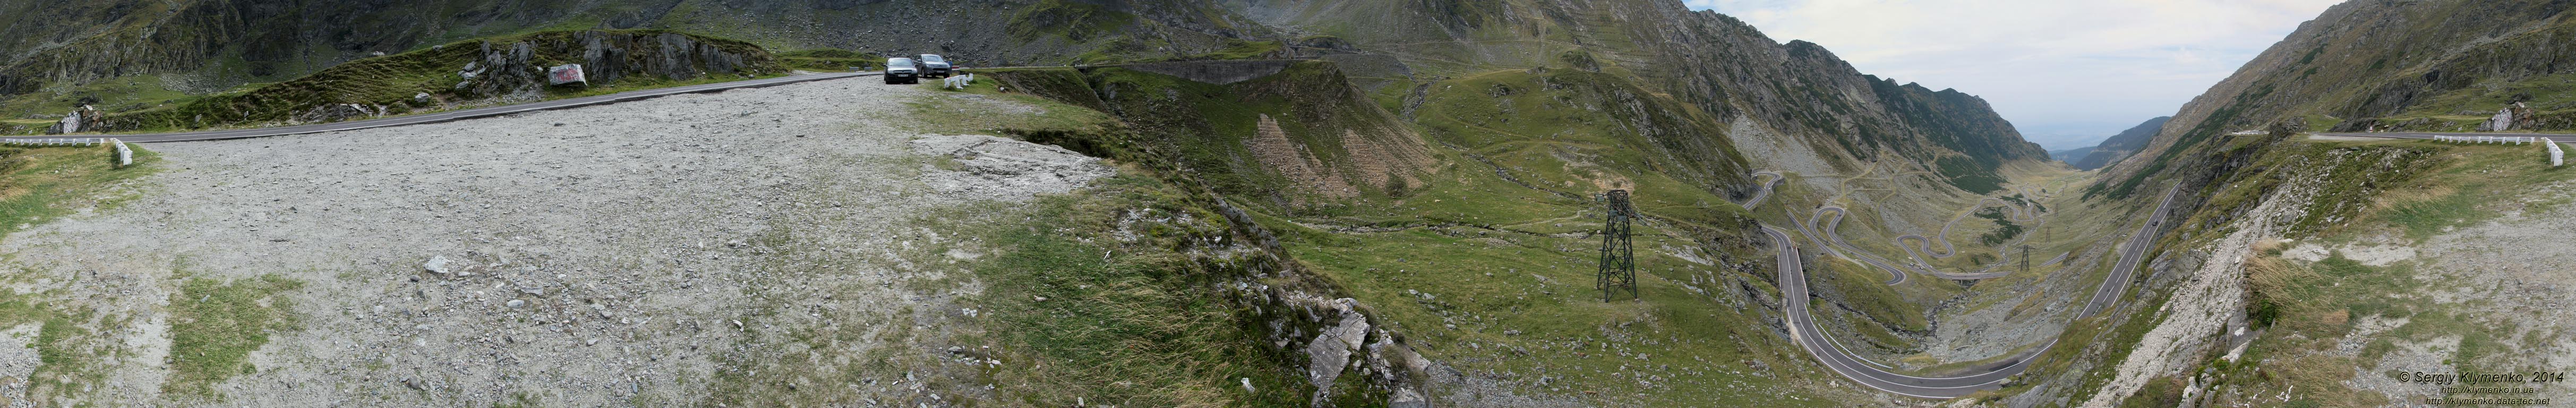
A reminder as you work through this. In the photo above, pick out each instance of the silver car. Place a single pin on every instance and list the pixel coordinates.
(933, 65)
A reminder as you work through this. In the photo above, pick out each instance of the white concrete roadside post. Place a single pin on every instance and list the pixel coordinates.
(2557, 157)
(124, 155)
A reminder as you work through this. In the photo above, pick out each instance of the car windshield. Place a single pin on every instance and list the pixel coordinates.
(899, 62)
(931, 58)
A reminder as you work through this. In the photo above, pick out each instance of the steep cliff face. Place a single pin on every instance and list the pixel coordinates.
(2121, 145)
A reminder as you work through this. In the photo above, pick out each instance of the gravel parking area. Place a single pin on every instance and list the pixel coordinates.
(634, 254)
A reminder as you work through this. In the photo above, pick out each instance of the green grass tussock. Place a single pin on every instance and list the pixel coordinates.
(38, 184)
(214, 325)
(1126, 323)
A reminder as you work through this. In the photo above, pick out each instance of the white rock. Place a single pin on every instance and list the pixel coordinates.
(437, 264)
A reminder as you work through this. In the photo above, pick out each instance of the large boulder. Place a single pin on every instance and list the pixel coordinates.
(84, 119)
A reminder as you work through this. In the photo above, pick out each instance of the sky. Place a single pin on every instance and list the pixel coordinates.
(2066, 73)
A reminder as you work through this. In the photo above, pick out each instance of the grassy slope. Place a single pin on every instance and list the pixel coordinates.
(1080, 319)
(1474, 251)
(140, 104)
(2307, 307)
(2311, 306)
(826, 59)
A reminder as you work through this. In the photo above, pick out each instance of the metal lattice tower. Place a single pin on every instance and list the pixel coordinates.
(1618, 255)
(2025, 257)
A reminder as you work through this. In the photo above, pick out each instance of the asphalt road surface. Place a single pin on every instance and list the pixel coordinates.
(2429, 135)
(1803, 329)
(2138, 242)
(459, 114)
(1923, 246)
(1765, 193)
(1824, 236)
(1832, 218)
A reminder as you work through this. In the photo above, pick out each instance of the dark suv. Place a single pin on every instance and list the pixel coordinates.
(900, 70)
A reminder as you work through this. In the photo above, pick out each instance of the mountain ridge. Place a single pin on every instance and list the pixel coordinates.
(1801, 89)
(2121, 145)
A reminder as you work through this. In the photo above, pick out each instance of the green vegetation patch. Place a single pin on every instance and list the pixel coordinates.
(1965, 174)
(38, 184)
(2457, 208)
(1484, 263)
(69, 353)
(829, 59)
(393, 81)
(1209, 129)
(1576, 133)
(1125, 323)
(214, 325)
(1073, 21)
(2004, 230)
(2412, 189)
(972, 111)
(1236, 49)
(120, 94)
(1864, 290)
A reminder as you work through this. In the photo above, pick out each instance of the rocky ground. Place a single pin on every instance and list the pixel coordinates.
(641, 253)
(2507, 278)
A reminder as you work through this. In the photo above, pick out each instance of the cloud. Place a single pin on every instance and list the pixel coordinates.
(2066, 73)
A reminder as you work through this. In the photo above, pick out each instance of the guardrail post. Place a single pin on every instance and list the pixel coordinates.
(124, 155)
(2557, 156)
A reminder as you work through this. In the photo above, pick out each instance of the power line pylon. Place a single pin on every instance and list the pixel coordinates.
(2025, 257)
(1618, 255)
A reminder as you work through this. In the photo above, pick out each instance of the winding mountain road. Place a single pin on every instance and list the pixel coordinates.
(460, 114)
(1765, 192)
(1922, 247)
(2429, 135)
(1832, 218)
(1804, 331)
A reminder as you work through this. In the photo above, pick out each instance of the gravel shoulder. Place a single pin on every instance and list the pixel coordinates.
(640, 253)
